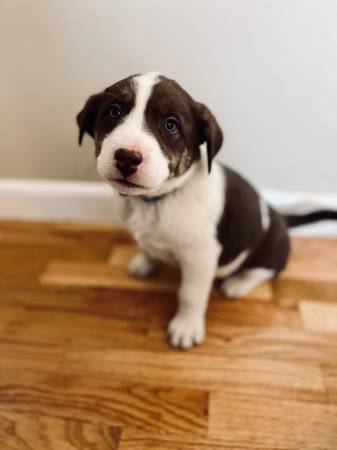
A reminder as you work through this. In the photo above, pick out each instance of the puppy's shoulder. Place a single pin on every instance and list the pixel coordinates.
(241, 223)
(205, 192)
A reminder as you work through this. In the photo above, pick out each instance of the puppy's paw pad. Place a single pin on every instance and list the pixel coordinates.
(141, 266)
(185, 332)
(234, 287)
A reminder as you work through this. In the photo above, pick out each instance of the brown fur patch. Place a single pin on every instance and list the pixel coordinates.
(95, 118)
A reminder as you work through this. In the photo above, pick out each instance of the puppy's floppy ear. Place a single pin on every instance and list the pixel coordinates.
(87, 117)
(210, 132)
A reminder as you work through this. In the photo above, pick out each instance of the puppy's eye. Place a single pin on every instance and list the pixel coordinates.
(171, 125)
(115, 111)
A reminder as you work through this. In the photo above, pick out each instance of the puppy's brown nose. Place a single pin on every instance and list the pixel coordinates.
(127, 161)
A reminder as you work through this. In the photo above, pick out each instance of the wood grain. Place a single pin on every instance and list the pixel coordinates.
(320, 317)
(122, 254)
(253, 422)
(113, 275)
(277, 343)
(104, 275)
(308, 275)
(330, 379)
(101, 400)
(40, 432)
(86, 365)
(40, 327)
(134, 440)
(199, 371)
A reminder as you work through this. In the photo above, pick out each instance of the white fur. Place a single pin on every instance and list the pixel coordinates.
(240, 284)
(166, 231)
(264, 211)
(186, 330)
(224, 271)
(142, 266)
(132, 134)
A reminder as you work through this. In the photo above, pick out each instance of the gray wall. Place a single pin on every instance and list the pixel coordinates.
(267, 68)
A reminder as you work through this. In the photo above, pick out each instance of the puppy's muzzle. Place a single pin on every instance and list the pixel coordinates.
(127, 161)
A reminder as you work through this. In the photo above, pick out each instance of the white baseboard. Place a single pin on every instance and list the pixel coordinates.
(74, 201)
(56, 200)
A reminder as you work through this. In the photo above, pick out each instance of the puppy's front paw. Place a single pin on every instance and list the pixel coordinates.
(141, 266)
(186, 331)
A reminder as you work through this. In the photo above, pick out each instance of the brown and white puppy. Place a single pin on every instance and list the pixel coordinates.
(180, 208)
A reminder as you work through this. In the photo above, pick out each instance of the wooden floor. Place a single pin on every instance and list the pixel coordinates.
(88, 367)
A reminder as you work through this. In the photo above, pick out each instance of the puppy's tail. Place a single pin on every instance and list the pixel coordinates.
(294, 220)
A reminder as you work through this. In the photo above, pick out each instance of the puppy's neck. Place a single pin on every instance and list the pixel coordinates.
(177, 183)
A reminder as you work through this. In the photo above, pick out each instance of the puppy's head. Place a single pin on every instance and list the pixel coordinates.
(147, 132)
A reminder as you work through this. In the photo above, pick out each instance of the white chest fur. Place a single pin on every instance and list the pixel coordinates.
(152, 229)
(182, 220)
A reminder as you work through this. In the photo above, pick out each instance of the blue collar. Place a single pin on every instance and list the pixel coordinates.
(150, 199)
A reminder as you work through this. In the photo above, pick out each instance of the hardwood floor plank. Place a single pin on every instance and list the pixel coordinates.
(27, 247)
(125, 324)
(114, 275)
(265, 423)
(253, 312)
(307, 276)
(103, 275)
(20, 265)
(26, 355)
(122, 254)
(306, 262)
(100, 231)
(39, 327)
(27, 431)
(330, 379)
(131, 440)
(100, 400)
(94, 302)
(46, 355)
(120, 303)
(266, 342)
(319, 317)
(80, 362)
(199, 371)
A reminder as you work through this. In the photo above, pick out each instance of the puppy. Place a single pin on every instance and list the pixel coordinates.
(181, 206)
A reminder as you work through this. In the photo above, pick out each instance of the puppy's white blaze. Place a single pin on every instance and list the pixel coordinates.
(132, 132)
(264, 211)
(144, 87)
(224, 271)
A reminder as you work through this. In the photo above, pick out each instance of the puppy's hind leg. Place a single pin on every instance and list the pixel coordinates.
(240, 284)
(142, 266)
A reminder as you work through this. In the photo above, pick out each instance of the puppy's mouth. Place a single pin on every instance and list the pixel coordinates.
(127, 183)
